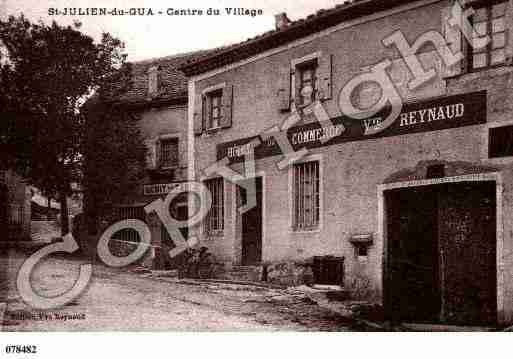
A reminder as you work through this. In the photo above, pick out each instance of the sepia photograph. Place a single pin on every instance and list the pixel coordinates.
(243, 166)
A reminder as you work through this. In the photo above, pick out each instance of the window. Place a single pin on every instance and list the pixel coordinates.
(214, 221)
(215, 109)
(306, 195)
(128, 234)
(501, 142)
(153, 80)
(307, 79)
(489, 20)
(16, 215)
(169, 152)
(361, 250)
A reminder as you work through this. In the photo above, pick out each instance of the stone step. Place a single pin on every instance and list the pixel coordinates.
(245, 268)
(245, 273)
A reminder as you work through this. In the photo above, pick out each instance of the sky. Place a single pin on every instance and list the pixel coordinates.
(161, 35)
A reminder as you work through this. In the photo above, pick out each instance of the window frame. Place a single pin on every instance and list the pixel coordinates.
(485, 141)
(292, 180)
(207, 228)
(509, 146)
(129, 235)
(488, 49)
(295, 66)
(206, 94)
(304, 67)
(214, 94)
(154, 80)
(161, 161)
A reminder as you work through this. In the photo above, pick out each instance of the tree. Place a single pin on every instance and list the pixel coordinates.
(47, 75)
(114, 161)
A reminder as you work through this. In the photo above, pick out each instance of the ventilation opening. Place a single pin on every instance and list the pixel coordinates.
(328, 270)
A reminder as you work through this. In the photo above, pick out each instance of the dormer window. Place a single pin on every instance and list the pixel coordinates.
(489, 20)
(153, 80)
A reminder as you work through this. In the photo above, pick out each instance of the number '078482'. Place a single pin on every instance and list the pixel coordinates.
(20, 349)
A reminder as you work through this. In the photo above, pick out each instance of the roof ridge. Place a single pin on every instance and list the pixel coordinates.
(344, 11)
(168, 57)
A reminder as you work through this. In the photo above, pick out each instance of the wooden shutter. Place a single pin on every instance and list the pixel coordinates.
(199, 114)
(509, 32)
(158, 153)
(456, 42)
(296, 73)
(151, 154)
(324, 77)
(226, 119)
(284, 79)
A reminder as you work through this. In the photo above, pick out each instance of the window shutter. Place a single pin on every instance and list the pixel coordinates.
(324, 78)
(158, 148)
(456, 42)
(226, 119)
(509, 33)
(285, 79)
(297, 85)
(151, 154)
(154, 80)
(199, 114)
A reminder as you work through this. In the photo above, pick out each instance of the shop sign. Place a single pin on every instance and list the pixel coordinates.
(159, 188)
(423, 116)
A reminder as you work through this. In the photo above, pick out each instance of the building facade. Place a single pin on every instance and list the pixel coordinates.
(417, 201)
(158, 97)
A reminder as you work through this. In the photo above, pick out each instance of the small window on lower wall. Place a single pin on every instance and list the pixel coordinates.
(306, 196)
(500, 140)
(214, 221)
(362, 251)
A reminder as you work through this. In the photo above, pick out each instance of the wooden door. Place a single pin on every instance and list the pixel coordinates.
(468, 253)
(251, 225)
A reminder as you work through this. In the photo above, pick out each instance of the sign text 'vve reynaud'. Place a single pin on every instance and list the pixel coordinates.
(423, 116)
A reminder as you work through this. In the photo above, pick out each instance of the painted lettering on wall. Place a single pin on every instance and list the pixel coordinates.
(423, 116)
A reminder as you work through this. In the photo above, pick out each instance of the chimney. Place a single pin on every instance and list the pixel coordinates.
(281, 20)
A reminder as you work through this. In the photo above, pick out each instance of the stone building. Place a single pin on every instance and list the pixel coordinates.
(158, 96)
(14, 206)
(409, 179)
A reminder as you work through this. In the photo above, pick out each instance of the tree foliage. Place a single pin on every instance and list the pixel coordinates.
(114, 158)
(47, 73)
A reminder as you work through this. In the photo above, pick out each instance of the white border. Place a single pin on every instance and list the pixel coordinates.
(492, 176)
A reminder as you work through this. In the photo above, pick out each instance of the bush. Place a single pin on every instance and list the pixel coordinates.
(196, 263)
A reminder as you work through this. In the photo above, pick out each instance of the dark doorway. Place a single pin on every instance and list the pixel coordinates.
(413, 264)
(251, 224)
(441, 254)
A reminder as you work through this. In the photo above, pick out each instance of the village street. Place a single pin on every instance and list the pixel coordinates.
(121, 300)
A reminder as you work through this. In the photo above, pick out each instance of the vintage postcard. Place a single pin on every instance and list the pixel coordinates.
(241, 165)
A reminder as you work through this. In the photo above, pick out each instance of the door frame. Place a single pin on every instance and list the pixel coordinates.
(382, 236)
(236, 223)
